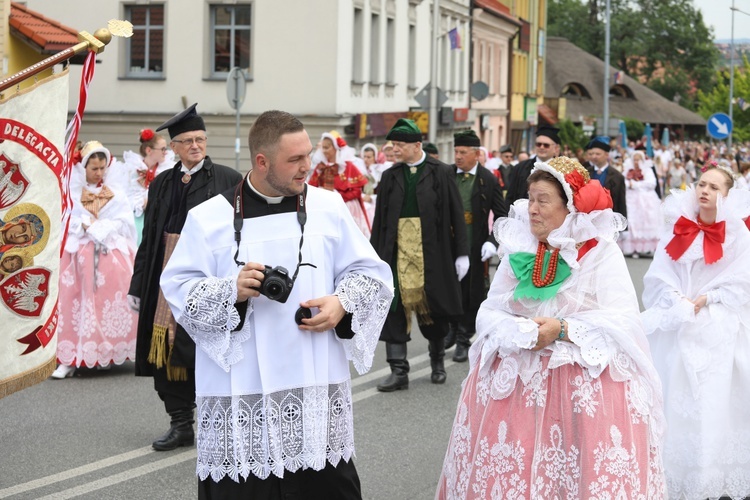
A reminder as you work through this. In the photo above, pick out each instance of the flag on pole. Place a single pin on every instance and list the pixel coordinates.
(32, 165)
(743, 104)
(455, 38)
(619, 77)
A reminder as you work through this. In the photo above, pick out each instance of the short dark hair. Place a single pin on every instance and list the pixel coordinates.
(541, 175)
(267, 130)
(98, 155)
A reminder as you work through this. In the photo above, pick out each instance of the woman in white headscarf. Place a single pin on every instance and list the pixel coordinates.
(335, 171)
(96, 327)
(643, 207)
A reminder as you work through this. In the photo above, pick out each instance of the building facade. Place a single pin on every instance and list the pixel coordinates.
(350, 65)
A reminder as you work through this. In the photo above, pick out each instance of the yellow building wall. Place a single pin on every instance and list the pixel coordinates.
(21, 56)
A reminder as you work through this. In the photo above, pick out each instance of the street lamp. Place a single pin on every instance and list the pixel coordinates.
(731, 74)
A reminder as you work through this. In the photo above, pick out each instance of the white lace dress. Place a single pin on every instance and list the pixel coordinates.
(703, 359)
(644, 216)
(272, 397)
(580, 419)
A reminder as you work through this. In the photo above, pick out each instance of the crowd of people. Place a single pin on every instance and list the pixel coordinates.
(247, 297)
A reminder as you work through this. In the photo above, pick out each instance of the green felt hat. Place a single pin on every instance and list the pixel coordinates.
(405, 130)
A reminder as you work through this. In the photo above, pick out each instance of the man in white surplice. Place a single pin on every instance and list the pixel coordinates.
(274, 398)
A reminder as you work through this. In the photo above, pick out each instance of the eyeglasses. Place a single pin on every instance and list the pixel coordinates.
(543, 145)
(163, 150)
(189, 142)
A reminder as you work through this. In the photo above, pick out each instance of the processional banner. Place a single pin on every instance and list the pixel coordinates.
(32, 164)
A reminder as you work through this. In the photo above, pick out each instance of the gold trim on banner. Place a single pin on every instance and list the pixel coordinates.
(28, 378)
(410, 267)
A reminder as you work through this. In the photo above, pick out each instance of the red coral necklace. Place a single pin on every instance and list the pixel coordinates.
(549, 277)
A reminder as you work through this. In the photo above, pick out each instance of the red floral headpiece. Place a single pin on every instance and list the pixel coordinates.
(584, 195)
(146, 134)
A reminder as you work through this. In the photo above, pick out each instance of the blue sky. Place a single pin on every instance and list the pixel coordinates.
(717, 13)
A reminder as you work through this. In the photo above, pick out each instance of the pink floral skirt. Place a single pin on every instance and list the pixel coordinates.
(96, 326)
(561, 435)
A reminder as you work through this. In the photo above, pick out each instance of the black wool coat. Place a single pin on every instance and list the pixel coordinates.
(211, 180)
(519, 174)
(615, 182)
(486, 197)
(443, 229)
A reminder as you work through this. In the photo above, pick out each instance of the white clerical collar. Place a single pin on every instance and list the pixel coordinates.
(271, 200)
(473, 171)
(193, 170)
(421, 160)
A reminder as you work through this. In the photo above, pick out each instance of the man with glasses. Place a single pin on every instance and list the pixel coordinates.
(547, 147)
(163, 350)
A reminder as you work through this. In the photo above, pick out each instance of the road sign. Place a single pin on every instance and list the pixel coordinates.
(719, 126)
(423, 97)
(236, 87)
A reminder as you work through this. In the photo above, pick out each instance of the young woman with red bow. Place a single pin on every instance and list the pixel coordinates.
(697, 299)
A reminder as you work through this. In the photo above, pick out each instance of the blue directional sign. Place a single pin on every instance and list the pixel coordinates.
(719, 126)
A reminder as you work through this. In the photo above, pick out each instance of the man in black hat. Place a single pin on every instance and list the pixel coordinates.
(480, 194)
(597, 153)
(164, 350)
(419, 230)
(431, 150)
(547, 147)
(506, 163)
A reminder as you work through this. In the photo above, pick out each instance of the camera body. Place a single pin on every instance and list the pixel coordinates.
(276, 284)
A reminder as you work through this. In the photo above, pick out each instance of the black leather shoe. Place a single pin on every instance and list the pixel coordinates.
(176, 436)
(461, 354)
(450, 339)
(394, 382)
(437, 355)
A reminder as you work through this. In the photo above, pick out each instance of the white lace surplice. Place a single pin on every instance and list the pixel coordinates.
(582, 418)
(271, 396)
(703, 358)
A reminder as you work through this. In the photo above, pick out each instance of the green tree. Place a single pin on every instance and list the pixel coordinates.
(635, 128)
(717, 99)
(572, 135)
(646, 35)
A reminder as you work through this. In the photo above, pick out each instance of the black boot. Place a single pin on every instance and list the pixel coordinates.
(395, 354)
(450, 339)
(437, 354)
(463, 343)
(180, 432)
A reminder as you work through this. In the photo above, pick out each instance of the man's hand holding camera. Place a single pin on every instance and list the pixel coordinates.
(248, 281)
(330, 312)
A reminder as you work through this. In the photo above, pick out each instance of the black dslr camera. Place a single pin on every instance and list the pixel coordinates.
(276, 284)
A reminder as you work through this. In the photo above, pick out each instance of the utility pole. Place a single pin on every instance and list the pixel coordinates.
(606, 71)
(432, 130)
(731, 84)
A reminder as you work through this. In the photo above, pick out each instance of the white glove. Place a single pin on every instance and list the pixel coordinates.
(134, 303)
(488, 250)
(462, 266)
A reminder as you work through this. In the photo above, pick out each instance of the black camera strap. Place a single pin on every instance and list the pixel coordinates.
(239, 219)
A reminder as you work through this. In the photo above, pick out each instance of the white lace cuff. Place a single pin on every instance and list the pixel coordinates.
(369, 301)
(209, 317)
(510, 336)
(665, 317)
(595, 350)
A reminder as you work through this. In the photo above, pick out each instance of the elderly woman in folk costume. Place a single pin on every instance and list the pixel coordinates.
(96, 326)
(335, 170)
(562, 399)
(697, 299)
(642, 204)
(153, 157)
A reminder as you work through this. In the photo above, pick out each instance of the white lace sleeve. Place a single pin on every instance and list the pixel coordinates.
(368, 300)
(210, 317)
(596, 349)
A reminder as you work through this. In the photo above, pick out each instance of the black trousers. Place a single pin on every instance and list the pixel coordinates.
(331, 483)
(394, 329)
(469, 318)
(177, 395)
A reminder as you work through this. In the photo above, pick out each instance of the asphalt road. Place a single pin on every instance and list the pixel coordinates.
(89, 437)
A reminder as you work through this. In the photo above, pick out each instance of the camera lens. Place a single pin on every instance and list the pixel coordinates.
(274, 289)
